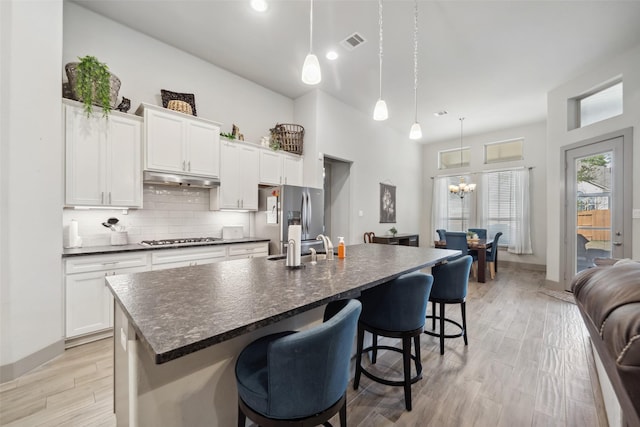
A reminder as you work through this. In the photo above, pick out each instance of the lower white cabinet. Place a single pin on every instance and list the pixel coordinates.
(248, 250)
(88, 301)
(185, 257)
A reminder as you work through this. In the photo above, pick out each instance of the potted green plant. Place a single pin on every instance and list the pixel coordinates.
(393, 231)
(93, 84)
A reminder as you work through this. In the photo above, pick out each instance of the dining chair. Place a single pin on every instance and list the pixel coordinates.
(368, 236)
(395, 309)
(458, 240)
(481, 232)
(299, 378)
(450, 284)
(492, 255)
(441, 234)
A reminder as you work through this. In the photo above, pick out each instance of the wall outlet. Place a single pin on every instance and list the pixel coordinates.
(635, 214)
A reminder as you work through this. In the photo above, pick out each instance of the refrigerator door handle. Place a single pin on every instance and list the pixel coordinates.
(302, 215)
(309, 213)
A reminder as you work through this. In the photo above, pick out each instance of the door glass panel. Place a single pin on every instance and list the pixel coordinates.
(593, 184)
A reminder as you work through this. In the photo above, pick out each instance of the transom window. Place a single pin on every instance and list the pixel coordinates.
(451, 158)
(504, 151)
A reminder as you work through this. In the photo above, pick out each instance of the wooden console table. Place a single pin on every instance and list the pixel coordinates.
(398, 239)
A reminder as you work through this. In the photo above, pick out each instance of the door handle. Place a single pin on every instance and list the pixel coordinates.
(617, 243)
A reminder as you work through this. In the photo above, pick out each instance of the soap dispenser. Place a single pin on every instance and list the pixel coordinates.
(341, 248)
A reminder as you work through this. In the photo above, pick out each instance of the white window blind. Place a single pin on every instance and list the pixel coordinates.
(501, 211)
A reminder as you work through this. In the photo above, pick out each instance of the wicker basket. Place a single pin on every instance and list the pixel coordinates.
(289, 136)
(72, 70)
(180, 106)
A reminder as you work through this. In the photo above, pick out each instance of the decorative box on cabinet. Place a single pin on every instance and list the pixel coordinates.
(102, 158)
(88, 301)
(177, 142)
(238, 177)
(277, 167)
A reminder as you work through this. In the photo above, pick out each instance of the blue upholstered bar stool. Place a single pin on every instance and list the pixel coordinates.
(396, 309)
(450, 283)
(481, 232)
(299, 378)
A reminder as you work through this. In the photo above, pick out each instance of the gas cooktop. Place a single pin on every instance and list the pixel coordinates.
(185, 241)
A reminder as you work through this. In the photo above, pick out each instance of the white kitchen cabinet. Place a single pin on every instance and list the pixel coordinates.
(88, 301)
(238, 177)
(102, 158)
(248, 250)
(176, 142)
(277, 168)
(292, 169)
(186, 257)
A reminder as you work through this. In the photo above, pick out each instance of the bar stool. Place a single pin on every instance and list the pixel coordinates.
(450, 283)
(299, 378)
(395, 309)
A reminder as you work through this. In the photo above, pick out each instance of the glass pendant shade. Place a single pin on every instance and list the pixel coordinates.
(416, 131)
(311, 73)
(380, 112)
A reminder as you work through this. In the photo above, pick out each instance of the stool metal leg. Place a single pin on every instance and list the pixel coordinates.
(242, 418)
(433, 311)
(406, 356)
(441, 328)
(416, 344)
(356, 379)
(343, 415)
(374, 352)
(463, 308)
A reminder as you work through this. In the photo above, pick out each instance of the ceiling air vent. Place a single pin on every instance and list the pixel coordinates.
(353, 41)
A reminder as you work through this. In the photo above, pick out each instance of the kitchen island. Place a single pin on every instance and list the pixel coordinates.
(178, 331)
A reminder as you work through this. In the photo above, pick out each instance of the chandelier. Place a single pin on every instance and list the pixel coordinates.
(462, 189)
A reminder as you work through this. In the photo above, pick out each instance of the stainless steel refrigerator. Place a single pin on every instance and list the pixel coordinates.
(281, 206)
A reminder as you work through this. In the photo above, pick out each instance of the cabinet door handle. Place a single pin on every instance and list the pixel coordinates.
(102, 197)
(189, 165)
(184, 165)
(109, 197)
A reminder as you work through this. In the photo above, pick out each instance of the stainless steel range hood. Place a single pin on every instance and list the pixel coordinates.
(174, 179)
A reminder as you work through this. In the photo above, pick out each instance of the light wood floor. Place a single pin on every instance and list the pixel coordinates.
(528, 363)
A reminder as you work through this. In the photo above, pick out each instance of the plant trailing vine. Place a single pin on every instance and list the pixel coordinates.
(93, 84)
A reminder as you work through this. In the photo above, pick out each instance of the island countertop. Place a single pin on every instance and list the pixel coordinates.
(182, 310)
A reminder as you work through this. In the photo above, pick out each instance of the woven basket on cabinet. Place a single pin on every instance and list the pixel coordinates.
(289, 136)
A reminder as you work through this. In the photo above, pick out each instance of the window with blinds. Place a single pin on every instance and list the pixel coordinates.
(458, 210)
(501, 209)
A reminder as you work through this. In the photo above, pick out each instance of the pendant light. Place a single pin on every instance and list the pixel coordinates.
(416, 131)
(462, 189)
(311, 73)
(380, 112)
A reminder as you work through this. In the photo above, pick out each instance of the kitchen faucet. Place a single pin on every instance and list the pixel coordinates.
(328, 246)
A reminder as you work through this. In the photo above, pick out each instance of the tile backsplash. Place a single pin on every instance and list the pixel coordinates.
(168, 212)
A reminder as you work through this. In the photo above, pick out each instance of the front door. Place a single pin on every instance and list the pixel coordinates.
(597, 203)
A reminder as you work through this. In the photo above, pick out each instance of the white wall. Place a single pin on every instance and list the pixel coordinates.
(626, 65)
(146, 65)
(534, 156)
(31, 164)
(378, 153)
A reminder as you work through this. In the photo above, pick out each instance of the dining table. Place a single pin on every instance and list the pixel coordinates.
(480, 246)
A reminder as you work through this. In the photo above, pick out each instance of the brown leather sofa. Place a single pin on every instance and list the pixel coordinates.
(609, 300)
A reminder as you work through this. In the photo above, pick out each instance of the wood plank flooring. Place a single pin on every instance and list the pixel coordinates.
(528, 363)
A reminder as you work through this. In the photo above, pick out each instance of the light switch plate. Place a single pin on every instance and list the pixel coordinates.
(360, 213)
(123, 339)
(635, 214)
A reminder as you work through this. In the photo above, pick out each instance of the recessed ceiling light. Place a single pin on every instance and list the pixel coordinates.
(440, 113)
(332, 55)
(259, 5)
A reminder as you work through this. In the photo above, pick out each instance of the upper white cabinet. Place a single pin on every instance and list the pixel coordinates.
(176, 142)
(277, 167)
(238, 177)
(103, 165)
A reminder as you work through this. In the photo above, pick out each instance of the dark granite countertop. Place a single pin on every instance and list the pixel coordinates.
(182, 310)
(108, 249)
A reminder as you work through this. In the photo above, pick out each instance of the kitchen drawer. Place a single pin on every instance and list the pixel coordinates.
(183, 257)
(248, 250)
(86, 264)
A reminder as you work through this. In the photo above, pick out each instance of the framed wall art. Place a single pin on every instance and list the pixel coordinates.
(387, 203)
